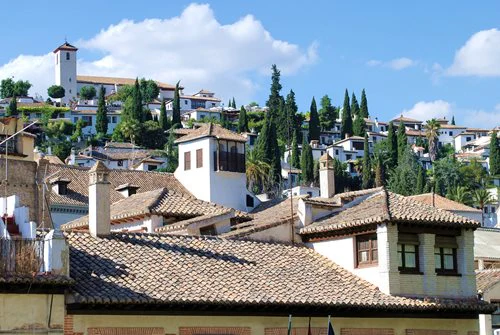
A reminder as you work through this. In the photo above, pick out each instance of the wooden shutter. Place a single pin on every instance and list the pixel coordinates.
(199, 158)
(366, 331)
(430, 332)
(187, 160)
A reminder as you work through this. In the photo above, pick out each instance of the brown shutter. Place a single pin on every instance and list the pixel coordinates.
(199, 158)
(430, 332)
(366, 331)
(187, 160)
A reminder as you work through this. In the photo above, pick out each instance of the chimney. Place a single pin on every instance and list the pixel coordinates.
(326, 176)
(127, 189)
(99, 202)
(72, 157)
(55, 253)
(314, 144)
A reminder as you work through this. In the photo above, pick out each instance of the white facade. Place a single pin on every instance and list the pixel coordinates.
(462, 139)
(65, 73)
(202, 114)
(447, 134)
(90, 118)
(302, 190)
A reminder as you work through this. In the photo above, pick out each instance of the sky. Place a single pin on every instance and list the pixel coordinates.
(421, 59)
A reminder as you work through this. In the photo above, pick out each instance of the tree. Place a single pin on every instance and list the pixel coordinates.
(316, 173)
(274, 97)
(327, 114)
(176, 107)
(402, 140)
(78, 133)
(453, 120)
(56, 92)
(268, 151)
(481, 197)
(129, 129)
(101, 124)
(446, 174)
(233, 103)
(431, 134)
(243, 120)
(307, 163)
(151, 135)
(359, 126)
(10, 88)
(346, 117)
(392, 146)
(12, 108)
(149, 90)
(163, 116)
(295, 158)
(354, 106)
(88, 92)
(367, 173)
(460, 194)
(137, 111)
(364, 105)
(314, 127)
(172, 151)
(420, 180)
(494, 155)
(379, 173)
(404, 177)
(257, 172)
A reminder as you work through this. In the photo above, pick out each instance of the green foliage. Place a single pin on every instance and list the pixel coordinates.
(172, 152)
(88, 92)
(307, 163)
(242, 120)
(151, 135)
(149, 90)
(447, 150)
(453, 120)
(364, 105)
(359, 126)
(233, 103)
(123, 93)
(56, 92)
(101, 124)
(420, 180)
(392, 146)
(354, 106)
(314, 126)
(127, 129)
(256, 120)
(12, 108)
(346, 117)
(480, 198)
(164, 122)
(58, 129)
(327, 114)
(176, 107)
(257, 172)
(446, 174)
(431, 133)
(287, 121)
(268, 150)
(494, 155)
(367, 173)
(404, 177)
(295, 159)
(379, 173)
(275, 98)
(460, 194)
(316, 173)
(62, 149)
(78, 133)
(402, 141)
(137, 111)
(10, 88)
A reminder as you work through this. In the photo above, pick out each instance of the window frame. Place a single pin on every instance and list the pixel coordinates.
(405, 240)
(187, 160)
(370, 238)
(199, 158)
(446, 242)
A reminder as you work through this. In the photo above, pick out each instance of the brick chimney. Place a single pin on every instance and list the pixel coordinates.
(326, 176)
(99, 202)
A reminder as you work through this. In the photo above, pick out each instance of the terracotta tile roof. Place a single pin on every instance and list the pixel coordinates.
(267, 215)
(183, 131)
(197, 97)
(341, 198)
(405, 119)
(121, 145)
(78, 188)
(41, 279)
(485, 279)
(451, 126)
(179, 226)
(180, 271)
(383, 207)
(66, 46)
(211, 130)
(438, 201)
(352, 138)
(414, 132)
(118, 81)
(162, 202)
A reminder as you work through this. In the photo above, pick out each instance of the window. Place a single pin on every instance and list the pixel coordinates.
(199, 158)
(119, 163)
(347, 157)
(250, 201)
(493, 209)
(467, 139)
(87, 120)
(208, 230)
(67, 55)
(70, 79)
(185, 102)
(230, 156)
(450, 133)
(445, 254)
(358, 145)
(187, 161)
(152, 167)
(63, 188)
(336, 152)
(408, 252)
(366, 250)
(213, 104)
(75, 119)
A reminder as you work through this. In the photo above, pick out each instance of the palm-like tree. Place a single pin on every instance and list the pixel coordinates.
(460, 194)
(130, 129)
(257, 171)
(432, 133)
(482, 197)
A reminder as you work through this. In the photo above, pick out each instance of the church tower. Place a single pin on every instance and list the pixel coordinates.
(65, 61)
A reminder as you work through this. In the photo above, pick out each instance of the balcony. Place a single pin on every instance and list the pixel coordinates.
(21, 257)
(229, 161)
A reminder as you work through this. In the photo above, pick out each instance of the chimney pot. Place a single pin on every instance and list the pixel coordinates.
(99, 202)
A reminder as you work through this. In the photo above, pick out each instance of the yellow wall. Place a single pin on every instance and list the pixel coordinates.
(30, 311)
(25, 143)
(171, 324)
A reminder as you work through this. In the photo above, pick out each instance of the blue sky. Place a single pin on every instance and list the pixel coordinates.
(425, 59)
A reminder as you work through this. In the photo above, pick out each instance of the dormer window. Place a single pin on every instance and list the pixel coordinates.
(60, 185)
(127, 189)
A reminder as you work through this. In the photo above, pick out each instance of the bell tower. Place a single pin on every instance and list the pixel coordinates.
(65, 70)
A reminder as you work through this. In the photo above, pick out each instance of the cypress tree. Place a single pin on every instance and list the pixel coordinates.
(233, 103)
(453, 120)
(327, 114)
(307, 163)
(420, 180)
(379, 173)
(404, 177)
(243, 120)
(346, 117)
(295, 160)
(101, 124)
(176, 107)
(392, 144)
(314, 127)
(274, 97)
(316, 173)
(163, 116)
(494, 155)
(359, 126)
(268, 150)
(12, 108)
(354, 106)
(172, 152)
(402, 140)
(367, 176)
(137, 112)
(364, 105)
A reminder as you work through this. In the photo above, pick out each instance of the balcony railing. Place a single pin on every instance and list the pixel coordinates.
(21, 256)
(229, 161)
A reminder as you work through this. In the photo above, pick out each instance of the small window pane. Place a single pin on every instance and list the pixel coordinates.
(437, 259)
(374, 255)
(400, 258)
(448, 262)
(410, 261)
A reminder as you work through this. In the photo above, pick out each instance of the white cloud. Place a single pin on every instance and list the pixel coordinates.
(192, 47)
(480, 56)
(426, 110)
(394, 64)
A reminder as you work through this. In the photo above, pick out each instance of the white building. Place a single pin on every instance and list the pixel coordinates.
(447, 134)
(65, 71)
